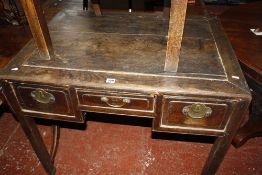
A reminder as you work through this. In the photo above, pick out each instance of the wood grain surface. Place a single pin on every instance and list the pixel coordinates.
(175, 33)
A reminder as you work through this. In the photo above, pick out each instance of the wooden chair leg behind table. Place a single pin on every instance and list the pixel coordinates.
(250, 130)
(85, 4)
(253, 127)
(175, 34)
(38, 27)
(30, 129)
(55, 142)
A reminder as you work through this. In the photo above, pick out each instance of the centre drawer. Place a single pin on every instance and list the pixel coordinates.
(117, 102)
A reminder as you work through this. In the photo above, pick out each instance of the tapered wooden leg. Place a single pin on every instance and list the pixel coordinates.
(222, 144)
(37, 143)
(30, 129)
(38, 26)
(216, 155)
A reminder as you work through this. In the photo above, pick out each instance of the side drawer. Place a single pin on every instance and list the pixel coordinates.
(193, 115)
(117, 102)
(45, 101)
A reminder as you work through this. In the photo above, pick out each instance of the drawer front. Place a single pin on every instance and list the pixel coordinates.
(44, 99)
(117, 102)
(189, 114)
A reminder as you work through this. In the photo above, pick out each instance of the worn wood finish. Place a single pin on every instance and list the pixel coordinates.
(116, 64)
(39, 29)
(134, 42)
(175, 33)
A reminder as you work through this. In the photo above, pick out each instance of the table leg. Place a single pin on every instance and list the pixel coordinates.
(37, 143)
(216, 155)
(222, 144)
(30, 129)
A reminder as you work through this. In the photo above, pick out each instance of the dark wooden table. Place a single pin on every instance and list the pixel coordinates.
(237, 23)
(124, 64)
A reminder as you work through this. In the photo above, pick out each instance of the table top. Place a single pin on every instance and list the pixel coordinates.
(136, 59)
(237, 23)
(129, 43)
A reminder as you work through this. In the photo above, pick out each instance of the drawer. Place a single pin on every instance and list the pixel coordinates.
(43, 100)
(190, 114)
(117, 102)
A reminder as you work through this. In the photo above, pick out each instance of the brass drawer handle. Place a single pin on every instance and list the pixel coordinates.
(197, 111)
(42, 96)
(114, 102)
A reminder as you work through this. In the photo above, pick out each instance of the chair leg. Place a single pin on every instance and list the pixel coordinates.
(96, 7)
(130, 6)
(55, 142)
(85, 5)
(39, 28)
